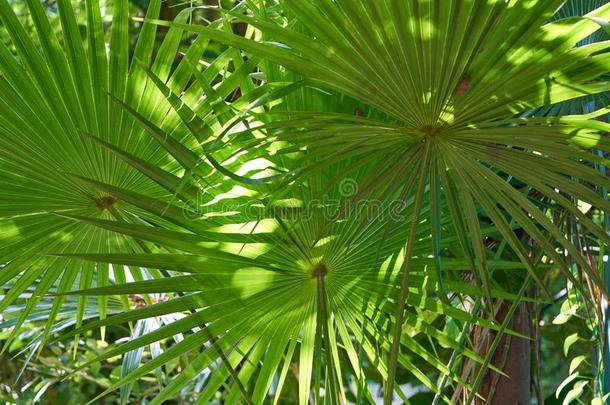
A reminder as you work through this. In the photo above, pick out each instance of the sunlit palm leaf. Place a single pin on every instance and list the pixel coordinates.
(54, 97)
(452, 77)
(421, 102)
(272, 278)
(312, 256)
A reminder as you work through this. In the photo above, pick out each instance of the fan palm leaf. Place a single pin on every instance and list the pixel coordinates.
(285, 281)
(417, 102)
(302, 265)
(57, 93)
(451, 78)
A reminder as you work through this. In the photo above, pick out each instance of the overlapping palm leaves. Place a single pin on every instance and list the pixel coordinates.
(433, 91)
(452, 78)
(309, 271)
(53, 96)
(451, 103)
(589, 102)
(283, 282)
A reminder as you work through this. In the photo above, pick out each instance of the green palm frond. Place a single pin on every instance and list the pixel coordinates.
(287, 280)
(57, 92)
(451, 79)
(233, 185)
(298, 262)
(451, 104)
(589, 102)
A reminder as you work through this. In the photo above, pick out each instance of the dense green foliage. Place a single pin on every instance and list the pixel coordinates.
(285, 201)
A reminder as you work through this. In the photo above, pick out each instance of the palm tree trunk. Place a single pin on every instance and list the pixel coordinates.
(513, 358)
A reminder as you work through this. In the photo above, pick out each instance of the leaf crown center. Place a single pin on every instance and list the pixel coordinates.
(430, 130)
(319, 271)
(105, 202)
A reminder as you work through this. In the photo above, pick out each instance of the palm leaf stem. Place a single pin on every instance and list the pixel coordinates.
(406, 267)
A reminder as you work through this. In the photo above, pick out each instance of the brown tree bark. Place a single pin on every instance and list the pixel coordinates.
(513, 357)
